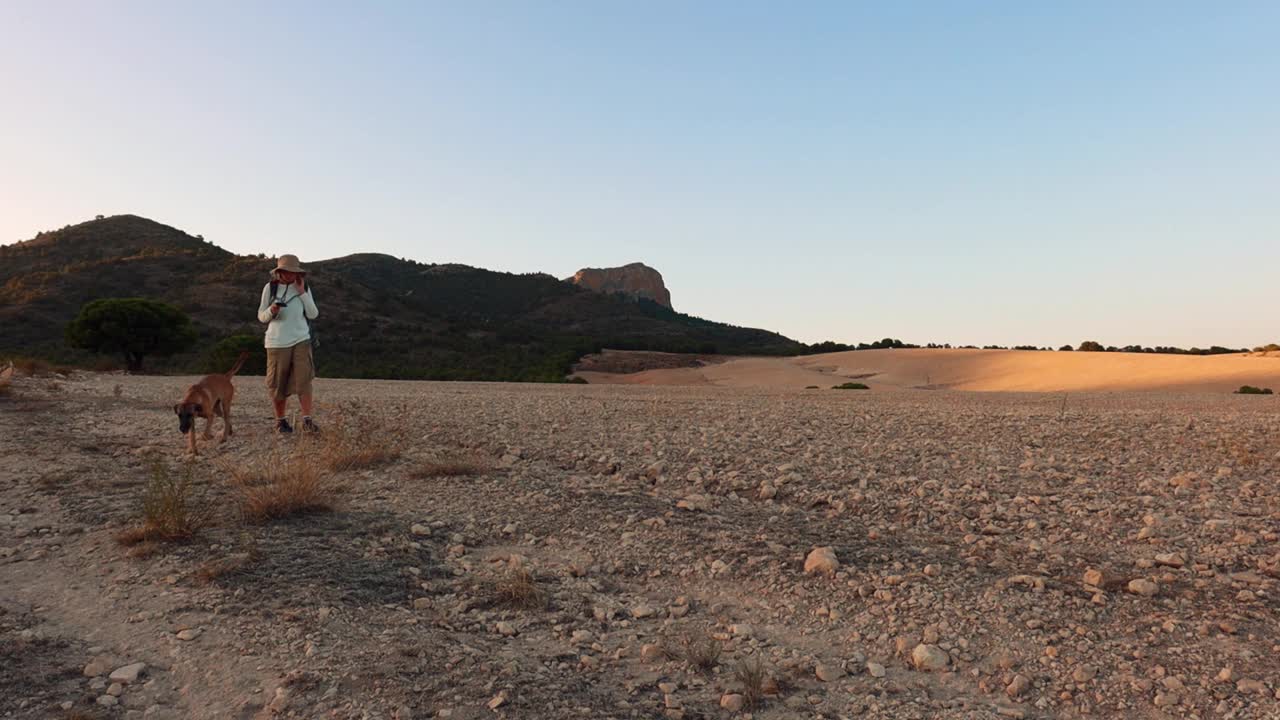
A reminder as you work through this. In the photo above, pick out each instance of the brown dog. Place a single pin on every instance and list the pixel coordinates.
(207, 398)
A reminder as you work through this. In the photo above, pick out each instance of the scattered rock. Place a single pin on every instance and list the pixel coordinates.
(733, 702)
(1143, 587)
(829, 673)
(930, 658)
(822, 561)
(128, 673)
(875, 669)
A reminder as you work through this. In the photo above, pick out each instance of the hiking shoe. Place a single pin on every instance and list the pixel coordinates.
(310, 426)
(283, 427)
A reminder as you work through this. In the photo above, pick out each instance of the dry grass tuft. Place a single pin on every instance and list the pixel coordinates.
(282, 485)
(751, 674)
(35, 367)
(214, 570)
(700, 650)
(355, 439)
(519, 589)
(450, 465)
(171, 511)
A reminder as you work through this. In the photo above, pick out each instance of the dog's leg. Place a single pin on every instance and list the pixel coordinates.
(226, 420)
(208, 427)
(191, 439)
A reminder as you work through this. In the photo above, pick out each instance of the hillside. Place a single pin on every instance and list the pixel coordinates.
(976, 370)
(381, 317)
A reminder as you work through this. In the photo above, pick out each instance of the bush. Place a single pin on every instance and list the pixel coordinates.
(1251, 390)
(356, 440)
(1092, 346)
(850, 386)
(224, 355)
(1269, 347)
(281, 486)
(1066, 348)
(133, 327)
(170, 510)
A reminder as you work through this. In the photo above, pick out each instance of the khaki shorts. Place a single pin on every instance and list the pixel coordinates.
(290, 370)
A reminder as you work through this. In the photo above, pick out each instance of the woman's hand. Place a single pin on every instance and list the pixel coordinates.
(275, 310)
(301, 283)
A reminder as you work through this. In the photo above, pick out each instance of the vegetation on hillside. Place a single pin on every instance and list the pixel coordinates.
(135, 328)
(380, 317)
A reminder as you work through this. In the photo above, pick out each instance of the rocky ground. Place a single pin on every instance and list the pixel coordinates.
(897, 555)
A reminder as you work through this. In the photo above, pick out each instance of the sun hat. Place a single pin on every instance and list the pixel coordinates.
(288, 263)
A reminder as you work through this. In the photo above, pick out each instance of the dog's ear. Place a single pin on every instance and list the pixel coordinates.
(177, 409)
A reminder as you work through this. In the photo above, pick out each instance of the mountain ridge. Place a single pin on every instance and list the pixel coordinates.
(380, 316)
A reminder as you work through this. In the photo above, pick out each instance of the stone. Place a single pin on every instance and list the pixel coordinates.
(108, 701)
(1020, 685)
(767, 491)
(635, 280)
(1143, 587)
(1094, 577)
(420, 530)
(422, 603)
(116, 690)
(651, 652)
(829, 673)
(930, 658)
(1249, 686)
(694, 503)
(189, 634)
(742, 630)
(128, 673)
(822, 561)
(1170, 560)
(733, 702)
(505, 629)
(1084, 673)
(875, 669)
(642, 611)
(280, 702)
(498, 700)
(97, 666)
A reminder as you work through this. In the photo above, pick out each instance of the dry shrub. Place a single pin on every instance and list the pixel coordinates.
(282, 485)
(214, 570)
(518, 588)
(699, 650)
(171, 510)
(356, 440)
(751, 674)
(35, 367)
(450, 465)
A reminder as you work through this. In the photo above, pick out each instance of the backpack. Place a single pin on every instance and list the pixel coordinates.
(315, 340)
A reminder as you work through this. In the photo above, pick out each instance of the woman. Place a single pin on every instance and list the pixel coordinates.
(287, 307)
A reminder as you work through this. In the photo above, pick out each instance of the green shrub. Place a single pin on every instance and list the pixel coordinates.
(227, 351)
(1251, 390)
(133, 327)
(1091, 346)
(850, 386)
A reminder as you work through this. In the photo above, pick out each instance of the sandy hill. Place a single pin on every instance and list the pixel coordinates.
(977, 370)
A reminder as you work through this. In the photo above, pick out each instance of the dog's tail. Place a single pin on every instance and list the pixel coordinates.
(239, 363)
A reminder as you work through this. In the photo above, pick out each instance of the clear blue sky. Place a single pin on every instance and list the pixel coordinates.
(987, 172)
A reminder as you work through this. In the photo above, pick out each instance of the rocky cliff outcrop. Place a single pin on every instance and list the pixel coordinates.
(637, 280)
